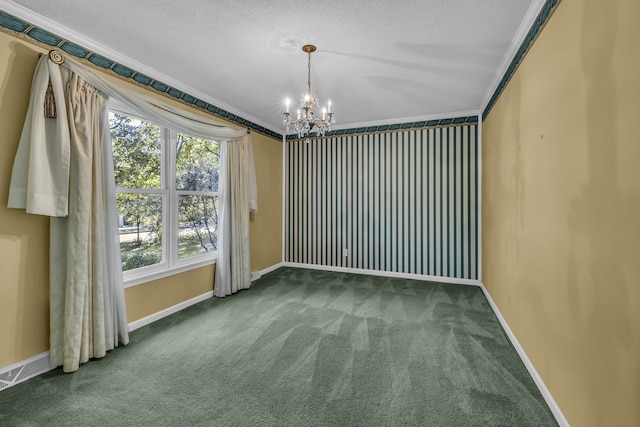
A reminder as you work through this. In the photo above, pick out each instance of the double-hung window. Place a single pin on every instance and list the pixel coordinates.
(166, 195)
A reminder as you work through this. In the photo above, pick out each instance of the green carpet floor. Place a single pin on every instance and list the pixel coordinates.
(301, 348)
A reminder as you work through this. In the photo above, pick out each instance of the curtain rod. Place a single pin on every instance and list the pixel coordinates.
(58, 57)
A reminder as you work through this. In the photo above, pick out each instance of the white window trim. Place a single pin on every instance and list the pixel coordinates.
(142, 277)
(166, 268)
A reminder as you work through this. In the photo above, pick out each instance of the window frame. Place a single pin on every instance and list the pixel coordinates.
(170, 264)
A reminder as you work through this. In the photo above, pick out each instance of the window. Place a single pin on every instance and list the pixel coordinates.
(166, 195)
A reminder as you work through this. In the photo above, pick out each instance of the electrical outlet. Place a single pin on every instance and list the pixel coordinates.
(345, 252)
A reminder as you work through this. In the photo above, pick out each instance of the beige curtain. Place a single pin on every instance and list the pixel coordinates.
(237, 198)
(79, 309)
(64, 169)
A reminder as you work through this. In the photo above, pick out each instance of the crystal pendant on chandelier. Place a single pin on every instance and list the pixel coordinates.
(306, 121)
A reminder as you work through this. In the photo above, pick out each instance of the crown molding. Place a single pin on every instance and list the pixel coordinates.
(66, 33)
(397, 125)
(402, 120)
(544, 13)
(517, 41)
(528, 30)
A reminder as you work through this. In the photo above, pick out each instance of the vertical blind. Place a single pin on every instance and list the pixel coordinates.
(401, 202)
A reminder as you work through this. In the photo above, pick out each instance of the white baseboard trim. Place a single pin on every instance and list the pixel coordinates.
(255, 275)
(39, 364)
(136, 324)
(555, 409)
(424, 277)
(24, 369)
(184, 304)
(272, 268)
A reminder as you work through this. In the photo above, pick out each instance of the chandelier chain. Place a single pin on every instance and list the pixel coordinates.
(309, 73)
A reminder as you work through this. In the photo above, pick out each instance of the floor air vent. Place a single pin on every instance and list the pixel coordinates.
(24, 370)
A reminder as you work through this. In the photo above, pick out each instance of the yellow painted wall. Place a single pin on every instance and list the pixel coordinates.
(24, 239)
(561, 209)
(144, 300)
(265, 225)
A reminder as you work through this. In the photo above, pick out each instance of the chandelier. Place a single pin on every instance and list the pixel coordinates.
(306, 120)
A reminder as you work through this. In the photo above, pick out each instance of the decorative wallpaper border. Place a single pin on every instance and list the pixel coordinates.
(46, 39)
(396, 127)
(544, 15)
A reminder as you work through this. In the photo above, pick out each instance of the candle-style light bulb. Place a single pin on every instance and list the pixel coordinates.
(298, 114)
(287, 103)
(324, 114)
(328, 106)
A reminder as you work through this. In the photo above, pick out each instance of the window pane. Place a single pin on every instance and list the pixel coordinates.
(197, 163)
(136, 151)
(198, 225)
(140, 227)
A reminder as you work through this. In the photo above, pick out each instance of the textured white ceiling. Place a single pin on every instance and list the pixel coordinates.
(379, 61)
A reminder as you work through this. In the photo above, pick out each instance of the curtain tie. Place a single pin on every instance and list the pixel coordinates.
(49, 99)
(49, 103)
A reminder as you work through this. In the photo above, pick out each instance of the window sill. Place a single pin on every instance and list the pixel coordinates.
(141, 279)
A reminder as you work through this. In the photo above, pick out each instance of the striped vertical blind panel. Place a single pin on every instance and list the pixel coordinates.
(402, 202)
